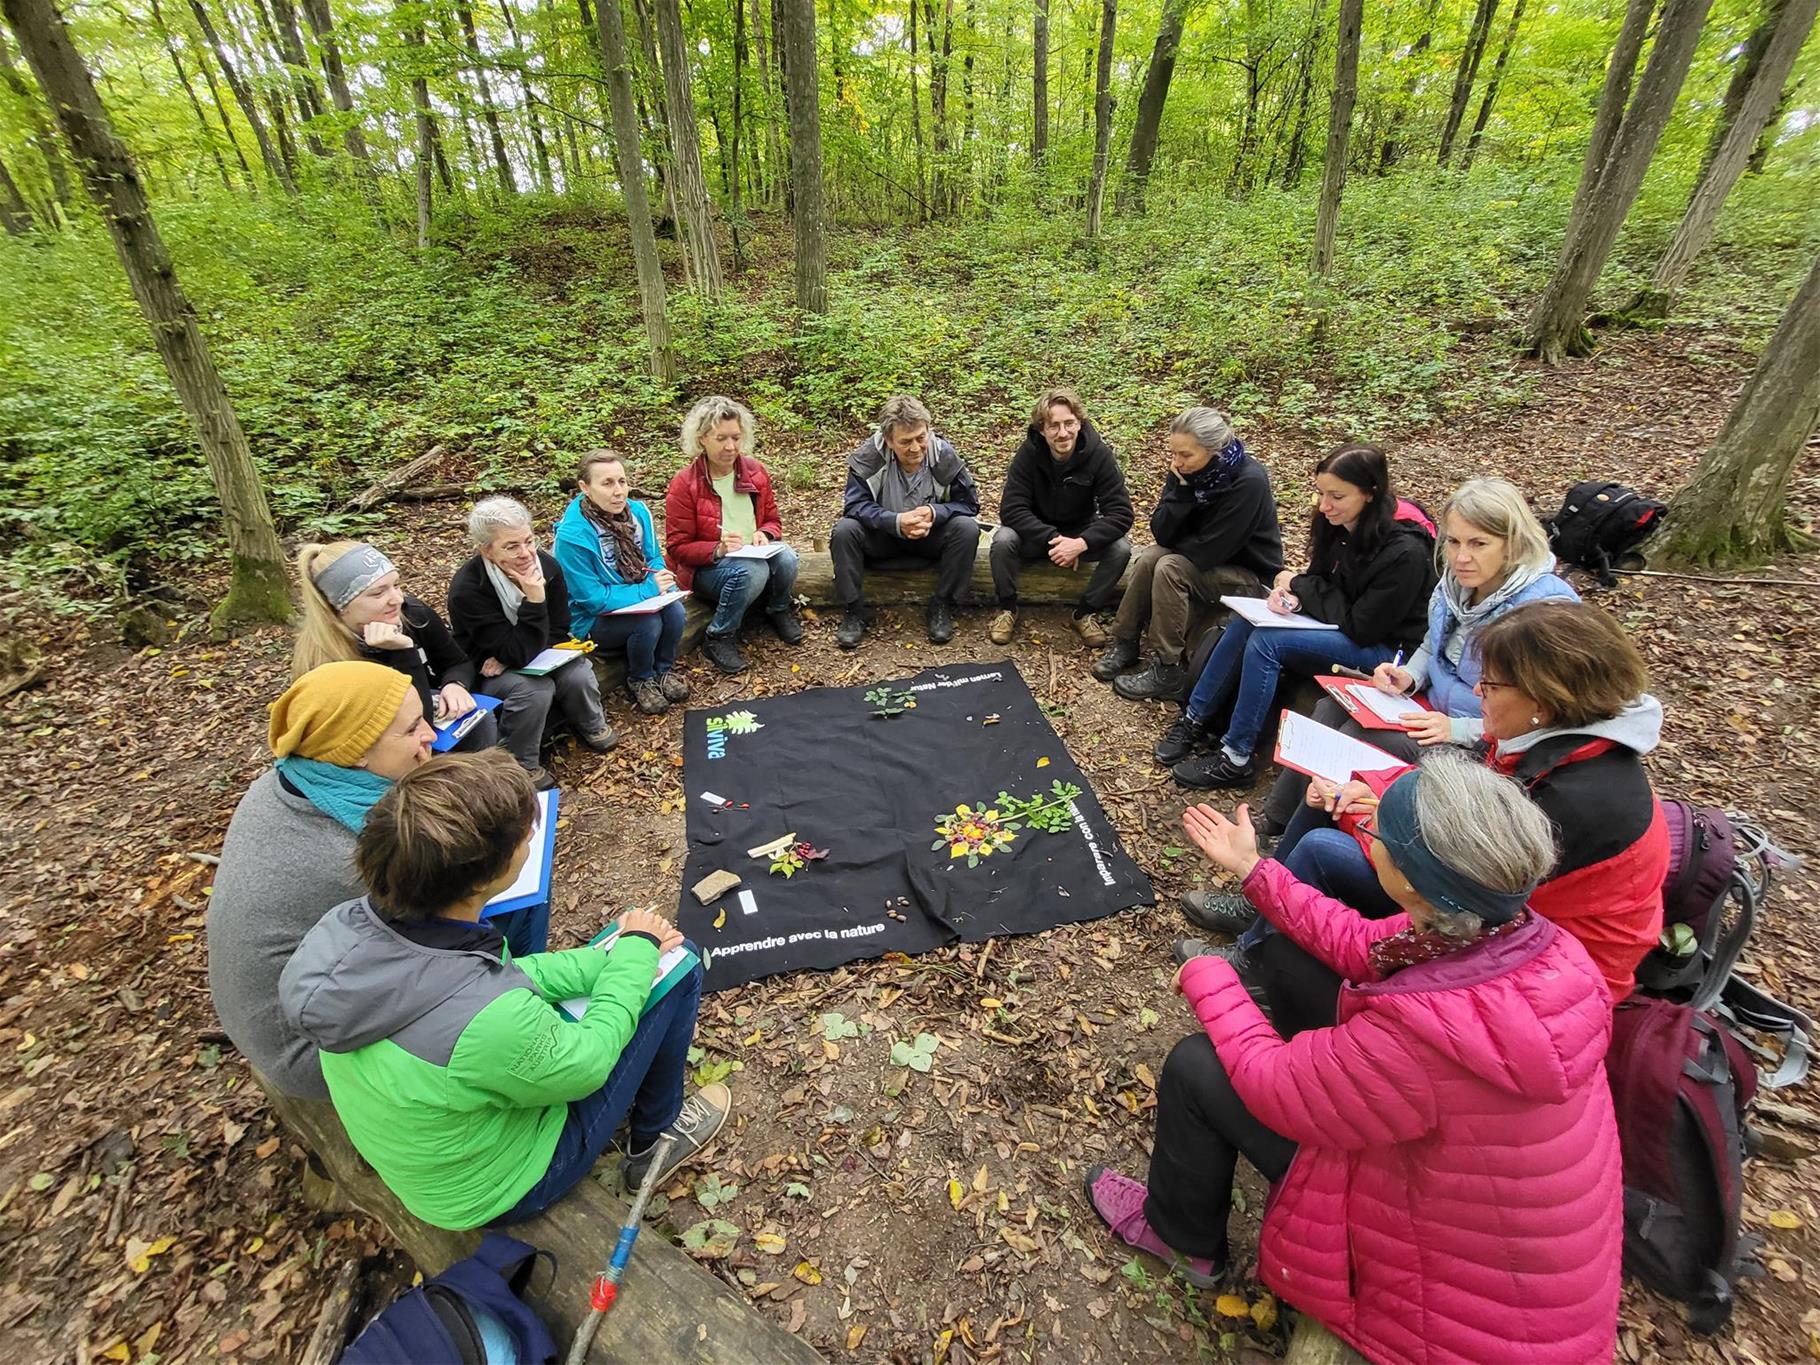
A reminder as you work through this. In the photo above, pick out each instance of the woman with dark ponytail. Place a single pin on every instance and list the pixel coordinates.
(1370, 572)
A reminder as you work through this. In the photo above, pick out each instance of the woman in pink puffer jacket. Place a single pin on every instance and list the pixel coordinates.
(1444, 1161)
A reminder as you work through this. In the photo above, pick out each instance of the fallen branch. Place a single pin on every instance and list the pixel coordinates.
(1810, 583)
(387, 488)
(332, 1326)
(20, 681)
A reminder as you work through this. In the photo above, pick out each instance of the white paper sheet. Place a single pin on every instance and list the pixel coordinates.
(1383, 704)
(765, 551)
(577, 1006)
(551, 660)
(531, 874)
(650, 604)
(1310, 747)
(1255, 610)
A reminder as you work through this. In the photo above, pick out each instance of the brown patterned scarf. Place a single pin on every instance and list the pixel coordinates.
(1415, 946)
(628, 544)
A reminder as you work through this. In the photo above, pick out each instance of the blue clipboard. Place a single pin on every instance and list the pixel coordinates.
(451, 733)
(532, 887)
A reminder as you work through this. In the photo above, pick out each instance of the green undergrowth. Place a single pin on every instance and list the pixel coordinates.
(516, 339)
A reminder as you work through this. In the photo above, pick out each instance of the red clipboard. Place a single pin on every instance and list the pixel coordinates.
(1340, 689)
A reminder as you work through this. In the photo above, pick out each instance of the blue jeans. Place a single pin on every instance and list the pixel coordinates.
(733, 585)
(1331, 861)
(1252, 658)
(526, 930)
(650, 639)
(646, 1082)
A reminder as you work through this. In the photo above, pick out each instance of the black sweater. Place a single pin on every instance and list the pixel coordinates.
(435, 661)
(479, 621)
(1380, 600)
(1237, 526)
(1083, 495)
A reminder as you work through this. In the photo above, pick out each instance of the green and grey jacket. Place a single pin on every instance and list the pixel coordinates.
(452, 1069)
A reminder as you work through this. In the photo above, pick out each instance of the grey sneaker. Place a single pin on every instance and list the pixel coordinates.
(1187, 948)
(1218, 913)
(648, 696)
(700, 1119)
(602, 739)
(1119, 656)
(723, 652)
(672, 686)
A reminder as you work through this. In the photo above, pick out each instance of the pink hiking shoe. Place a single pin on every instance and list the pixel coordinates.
(1119, 1201)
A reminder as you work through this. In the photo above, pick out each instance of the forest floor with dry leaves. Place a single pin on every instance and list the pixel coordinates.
(150, 1208)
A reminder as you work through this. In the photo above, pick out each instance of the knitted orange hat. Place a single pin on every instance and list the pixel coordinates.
(334, 713)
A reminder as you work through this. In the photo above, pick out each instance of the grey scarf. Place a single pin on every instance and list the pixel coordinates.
(898, 492)
(511, 596)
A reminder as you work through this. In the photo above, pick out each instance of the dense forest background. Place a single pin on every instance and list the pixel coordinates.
(403, 225)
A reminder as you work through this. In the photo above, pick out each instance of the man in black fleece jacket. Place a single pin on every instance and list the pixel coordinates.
(1064, 501)
(1216, 535)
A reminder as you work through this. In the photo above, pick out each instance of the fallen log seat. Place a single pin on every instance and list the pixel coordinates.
(670, 1308)
(1312, 1344)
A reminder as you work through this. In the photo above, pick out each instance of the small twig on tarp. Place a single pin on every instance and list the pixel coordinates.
(332, 1326)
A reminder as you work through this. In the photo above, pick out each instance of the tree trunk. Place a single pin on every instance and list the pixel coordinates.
(696, 223)
(1151, 101)
(1243, 174)
(736, 212)
(258, 590)
(1765, 144)
(15, 213)
(316, 14)
(1039, 138)
(1394, 149)
(1491, 87)
(42, 138)
(610, 27)
(916, 118)
(502, 164)
(539, 147)
(227, 123)
(1744, 74)
(938, 98)
(243, 96)
(653, 92)
(1102, 118)
(809, 214)
(1339, 132)
(290, 46)
(1775, 60)
(1558, 327)
(208, 131)
(1298, 136)
(1614, 96)
(774, 137)
(1733, 511)
(411, 20)
(299, 92)
(1465, 75)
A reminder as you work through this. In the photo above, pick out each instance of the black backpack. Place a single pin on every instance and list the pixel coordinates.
(473, 1313)
(1600, 526)
(1719, 872)
(1680, 1085)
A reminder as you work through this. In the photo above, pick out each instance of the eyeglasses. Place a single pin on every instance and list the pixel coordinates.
(1487, 685)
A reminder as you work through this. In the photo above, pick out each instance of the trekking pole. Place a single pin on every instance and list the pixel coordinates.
(606, 1284)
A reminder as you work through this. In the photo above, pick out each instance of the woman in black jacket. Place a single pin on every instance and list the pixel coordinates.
(353, 608)
(1370, 573)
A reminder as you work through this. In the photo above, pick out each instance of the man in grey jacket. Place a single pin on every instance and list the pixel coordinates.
(909, 497)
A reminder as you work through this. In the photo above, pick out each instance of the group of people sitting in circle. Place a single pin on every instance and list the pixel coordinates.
(1405, 1033)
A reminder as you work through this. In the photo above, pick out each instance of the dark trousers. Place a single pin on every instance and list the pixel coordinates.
(952, 546)
(1202, 1128)
(572, 691)
(526, 930)
(650, 639)
(646, 1082)
(1011, 551)
(1291, 787)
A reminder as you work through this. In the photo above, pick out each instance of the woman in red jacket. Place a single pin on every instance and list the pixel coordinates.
(722, 534)
(1566, 715)
(1446, 1181)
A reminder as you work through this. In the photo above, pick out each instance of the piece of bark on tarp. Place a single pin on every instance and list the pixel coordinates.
(670, 1308)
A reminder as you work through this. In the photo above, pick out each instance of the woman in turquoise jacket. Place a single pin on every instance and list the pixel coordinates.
(611, 558)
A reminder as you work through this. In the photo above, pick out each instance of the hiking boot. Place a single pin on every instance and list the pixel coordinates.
(940, 620)
(1003, 627)
(648, 697)
(541, 779)
(1214, 770)
(696, 1124)
(602, 739)
(1092, 631)
(1119, 1201)
(671, 684)
(723, 652)
(1117, 658)
(1187, 949)
(1182, 738)
(852, 628)
(1159, 682)
(1218, 913)
(786, 626)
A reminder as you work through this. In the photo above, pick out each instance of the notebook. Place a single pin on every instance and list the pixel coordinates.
(533, 884)
(1312, 748)
(1370, 706)
(672, 967)
(1257, 611)
(550, 660)
(452, 732)
(765, 551)
(650, 604)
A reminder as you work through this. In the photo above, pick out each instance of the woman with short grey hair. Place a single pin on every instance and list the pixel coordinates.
(1443, 1158)
(507, 605)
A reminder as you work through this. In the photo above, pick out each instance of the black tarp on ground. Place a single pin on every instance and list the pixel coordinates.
(870, 791)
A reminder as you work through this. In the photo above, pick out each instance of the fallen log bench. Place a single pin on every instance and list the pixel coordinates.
(1312, 1344)
(1039, 584)
(670, 1308)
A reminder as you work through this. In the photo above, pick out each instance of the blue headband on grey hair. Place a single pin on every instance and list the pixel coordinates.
(356, 571)
(1436, 882)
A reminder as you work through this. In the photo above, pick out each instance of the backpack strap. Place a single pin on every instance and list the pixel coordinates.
(1745, 1005)
(1722, 946)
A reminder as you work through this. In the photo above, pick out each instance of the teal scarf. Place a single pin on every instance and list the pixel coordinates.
(343, 794)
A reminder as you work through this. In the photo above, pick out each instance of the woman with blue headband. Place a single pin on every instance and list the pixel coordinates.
(1443, 1160)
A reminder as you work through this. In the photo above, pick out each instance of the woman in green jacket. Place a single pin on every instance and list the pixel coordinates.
(456, 1075)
